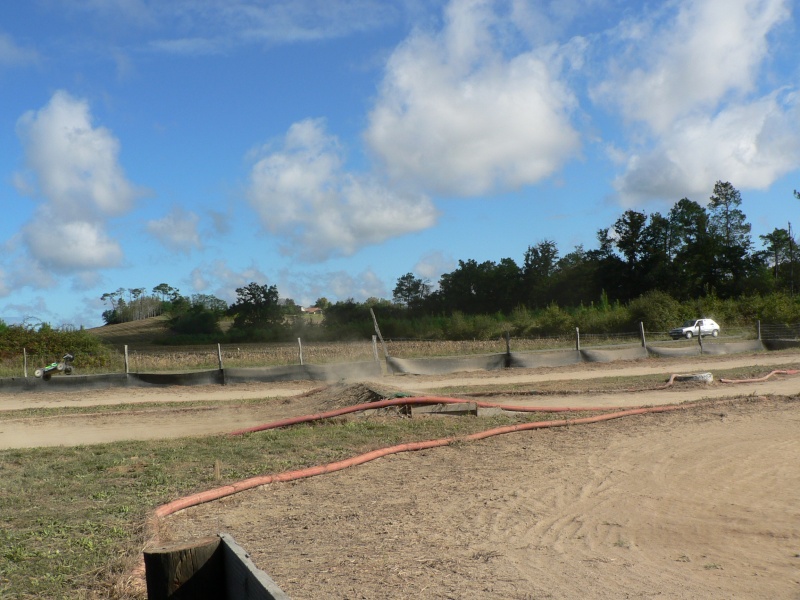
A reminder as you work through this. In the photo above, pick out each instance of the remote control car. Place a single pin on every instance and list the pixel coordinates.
(65, 366)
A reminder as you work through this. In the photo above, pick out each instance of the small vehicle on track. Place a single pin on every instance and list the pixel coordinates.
(695, 327)
(65, 366)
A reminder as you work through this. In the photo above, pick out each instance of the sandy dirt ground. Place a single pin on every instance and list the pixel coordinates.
(698, 503)
(285, 399)
(688, 505)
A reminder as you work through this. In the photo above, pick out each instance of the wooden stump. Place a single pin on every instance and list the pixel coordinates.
(194, 569)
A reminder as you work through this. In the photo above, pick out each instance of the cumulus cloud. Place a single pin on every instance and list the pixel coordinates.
(752, 145)
(676, 64)
(458, 116)
(689, 83)
(177, 230)
(303, 194)
(71, 245)
(73, 167)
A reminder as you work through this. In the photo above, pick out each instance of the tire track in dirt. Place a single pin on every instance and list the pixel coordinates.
(686, 505)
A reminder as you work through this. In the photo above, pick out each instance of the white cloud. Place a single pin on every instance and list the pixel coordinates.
(750, 145)
(303, 195)
(71, 245)
(688, 80)
(75, 165)
(74, 168)
(701, 55)
(177, 230)
(457, 116)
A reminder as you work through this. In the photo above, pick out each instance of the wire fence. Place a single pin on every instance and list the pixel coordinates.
(195, 358)
(780, 332)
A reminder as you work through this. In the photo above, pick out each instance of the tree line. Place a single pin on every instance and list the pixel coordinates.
(658, 267)
(690, 252)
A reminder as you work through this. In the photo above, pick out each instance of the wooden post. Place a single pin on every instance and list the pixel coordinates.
(378, 331)
(219, 356)
(300, 346)
(375, 348)
(758, 326)
(217, 470)
(641, 331)
(182, 571)
(577, 339)
(25, 362)
(508, 342)
(126, 359)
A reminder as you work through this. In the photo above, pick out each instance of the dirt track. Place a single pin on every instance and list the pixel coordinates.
(686, 505)
(699, 503)
(281, 400)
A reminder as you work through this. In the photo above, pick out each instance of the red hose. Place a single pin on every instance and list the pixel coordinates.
(221, 492)
(228, 490)
(414, 400)
(764, 378)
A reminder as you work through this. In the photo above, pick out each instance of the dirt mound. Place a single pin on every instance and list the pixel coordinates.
(341, 395)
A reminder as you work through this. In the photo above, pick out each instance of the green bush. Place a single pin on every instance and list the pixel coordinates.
(49, 345)
(779, 308)
(554, 320)
(657, 310)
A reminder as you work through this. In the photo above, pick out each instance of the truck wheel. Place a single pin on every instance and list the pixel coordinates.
(688, 335)
(37, 373)
(715, 333)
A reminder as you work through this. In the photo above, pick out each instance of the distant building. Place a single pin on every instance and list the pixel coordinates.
(312, 310)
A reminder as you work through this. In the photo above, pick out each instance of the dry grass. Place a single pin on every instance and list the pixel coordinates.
(248, 355)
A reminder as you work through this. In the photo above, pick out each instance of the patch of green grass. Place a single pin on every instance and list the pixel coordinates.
(72, 520)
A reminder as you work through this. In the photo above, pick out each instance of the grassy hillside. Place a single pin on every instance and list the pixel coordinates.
(134, 334)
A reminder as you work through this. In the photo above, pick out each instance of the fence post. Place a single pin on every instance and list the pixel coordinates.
(300, 345)
(378, 331)
(641, 330)
(219, 356)
(375, 348)
(126, 359)
(577, 339)
(758, 324)
(25, 362)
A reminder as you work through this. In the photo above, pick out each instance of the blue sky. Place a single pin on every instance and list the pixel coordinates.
(329, 147)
